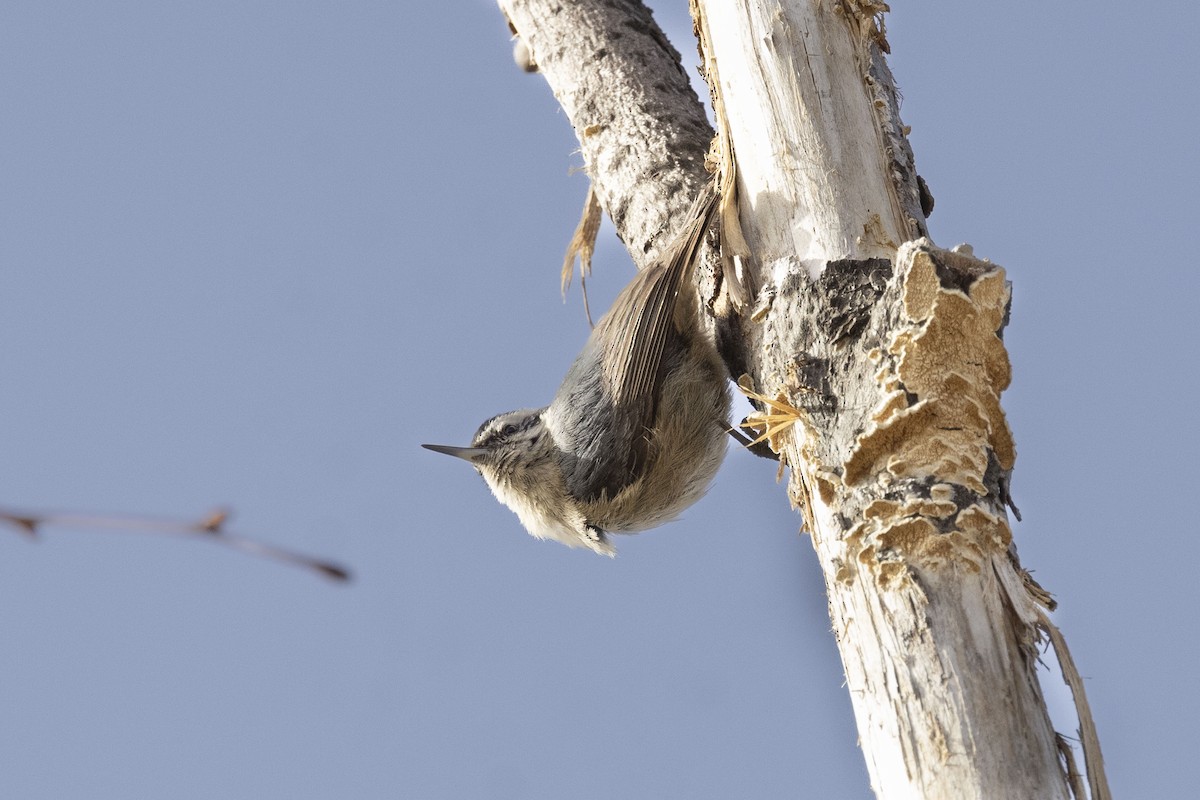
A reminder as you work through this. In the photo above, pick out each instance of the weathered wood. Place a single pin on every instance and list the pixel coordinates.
(888, 349)
(892, 356)
(641, 129)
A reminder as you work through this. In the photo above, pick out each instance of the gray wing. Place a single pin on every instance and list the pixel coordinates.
(608, 402)
(641, 319)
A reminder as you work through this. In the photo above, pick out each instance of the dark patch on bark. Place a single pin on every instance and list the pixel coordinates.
(926, 197)
(851, 287)
(951, 278)
(999, 483)
(958, 271)
(812, 389)
(1007, 314)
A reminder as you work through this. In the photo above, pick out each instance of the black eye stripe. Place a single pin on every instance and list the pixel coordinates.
(492, 432)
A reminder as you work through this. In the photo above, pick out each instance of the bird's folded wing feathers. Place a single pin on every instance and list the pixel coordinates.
(644, 312)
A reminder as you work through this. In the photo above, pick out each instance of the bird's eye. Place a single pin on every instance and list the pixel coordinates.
(508, 430)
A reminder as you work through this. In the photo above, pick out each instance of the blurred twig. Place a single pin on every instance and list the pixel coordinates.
(212, 527)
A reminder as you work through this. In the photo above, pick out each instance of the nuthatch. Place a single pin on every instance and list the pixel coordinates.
(635, 433)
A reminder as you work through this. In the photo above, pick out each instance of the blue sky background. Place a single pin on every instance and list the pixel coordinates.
(254, 254)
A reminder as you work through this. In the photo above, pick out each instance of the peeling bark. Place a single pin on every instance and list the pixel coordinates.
(898, 468)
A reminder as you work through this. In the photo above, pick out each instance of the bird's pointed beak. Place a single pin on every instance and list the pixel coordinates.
(465, 453)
